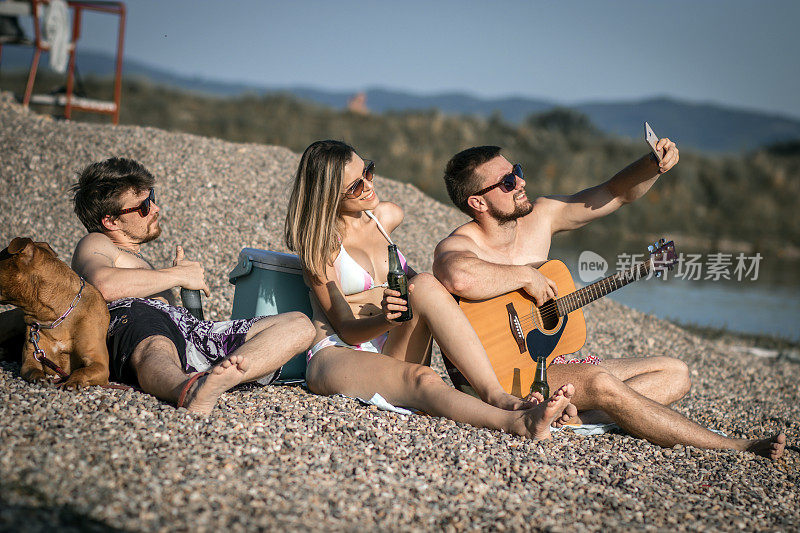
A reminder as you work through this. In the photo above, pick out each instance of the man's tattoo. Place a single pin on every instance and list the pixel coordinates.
(110, 259)
(135, 254)
(139, 255)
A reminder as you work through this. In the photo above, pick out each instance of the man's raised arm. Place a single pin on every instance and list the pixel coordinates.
(464, 274)
(629, 184)
(95, 259)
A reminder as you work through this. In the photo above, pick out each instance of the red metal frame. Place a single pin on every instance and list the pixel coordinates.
(78, 7)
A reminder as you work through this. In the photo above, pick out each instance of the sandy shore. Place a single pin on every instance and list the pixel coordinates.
(280, 457)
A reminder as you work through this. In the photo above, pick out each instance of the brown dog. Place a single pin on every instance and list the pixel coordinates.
(69, 314)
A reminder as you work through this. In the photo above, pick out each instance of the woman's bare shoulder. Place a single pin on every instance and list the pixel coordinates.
(390, 215)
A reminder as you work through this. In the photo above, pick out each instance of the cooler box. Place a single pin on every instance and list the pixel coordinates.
(268, 283)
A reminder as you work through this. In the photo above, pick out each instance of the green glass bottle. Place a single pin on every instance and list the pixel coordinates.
(398, 281)
(540, 378)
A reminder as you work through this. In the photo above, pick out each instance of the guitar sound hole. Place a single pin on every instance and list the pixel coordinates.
(549, 315)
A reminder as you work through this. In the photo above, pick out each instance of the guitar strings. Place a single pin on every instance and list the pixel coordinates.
(634, 273)
(552, 309)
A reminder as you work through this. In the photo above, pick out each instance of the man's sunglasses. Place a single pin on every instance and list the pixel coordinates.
(357, 188)
(507, 183)
(144, 207)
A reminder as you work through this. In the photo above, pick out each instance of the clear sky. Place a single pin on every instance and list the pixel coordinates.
(741, 53)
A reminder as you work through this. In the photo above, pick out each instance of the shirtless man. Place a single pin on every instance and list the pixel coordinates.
(153, 343)
(509, 236)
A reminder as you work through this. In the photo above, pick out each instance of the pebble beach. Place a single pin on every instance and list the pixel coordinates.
(282, 458)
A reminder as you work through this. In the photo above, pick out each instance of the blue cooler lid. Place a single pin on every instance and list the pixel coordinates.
(264, 259)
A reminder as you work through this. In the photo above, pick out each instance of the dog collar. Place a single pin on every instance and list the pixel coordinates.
(63, 317)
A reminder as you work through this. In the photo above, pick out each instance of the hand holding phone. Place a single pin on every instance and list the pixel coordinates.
(651, 139)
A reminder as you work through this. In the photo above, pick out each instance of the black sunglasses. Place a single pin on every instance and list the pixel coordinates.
(144, 207)
(507, 183)
(355, 190)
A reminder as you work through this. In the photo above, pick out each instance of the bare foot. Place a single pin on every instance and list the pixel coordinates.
(771, 448)
(594, 416)
(569, 415)
(227, 374)
(537, 419)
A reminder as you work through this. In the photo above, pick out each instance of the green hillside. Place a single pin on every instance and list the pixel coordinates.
(742, 202)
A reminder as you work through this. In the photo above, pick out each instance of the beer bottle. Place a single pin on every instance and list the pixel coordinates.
(192, 302)
(540, 378)
(398, 281)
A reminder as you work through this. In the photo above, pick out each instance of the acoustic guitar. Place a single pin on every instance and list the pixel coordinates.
(514, 331)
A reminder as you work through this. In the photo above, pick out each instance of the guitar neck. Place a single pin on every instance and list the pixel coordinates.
(579, 298)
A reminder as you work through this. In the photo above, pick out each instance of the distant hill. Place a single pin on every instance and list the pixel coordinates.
(706, 126)
(702, 126)
(513, 109)
(91, 63)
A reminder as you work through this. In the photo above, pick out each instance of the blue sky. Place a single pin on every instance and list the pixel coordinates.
(737, 53)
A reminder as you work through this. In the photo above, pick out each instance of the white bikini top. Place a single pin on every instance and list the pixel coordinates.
(352, 276)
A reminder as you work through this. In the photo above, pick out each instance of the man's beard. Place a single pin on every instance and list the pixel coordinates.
(520, 210)
(151, 235)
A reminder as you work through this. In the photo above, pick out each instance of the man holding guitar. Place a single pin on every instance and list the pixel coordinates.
(509, 237)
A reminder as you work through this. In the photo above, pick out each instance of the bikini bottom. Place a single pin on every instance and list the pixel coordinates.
(373, 345)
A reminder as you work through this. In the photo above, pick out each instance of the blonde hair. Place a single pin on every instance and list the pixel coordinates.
(312, 220)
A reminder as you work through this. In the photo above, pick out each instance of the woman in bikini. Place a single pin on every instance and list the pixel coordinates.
(340, 229)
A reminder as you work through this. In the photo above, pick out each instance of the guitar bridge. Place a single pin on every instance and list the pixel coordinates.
(516, 327)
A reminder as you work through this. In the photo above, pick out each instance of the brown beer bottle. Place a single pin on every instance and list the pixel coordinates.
(398, 281)
(540, 378)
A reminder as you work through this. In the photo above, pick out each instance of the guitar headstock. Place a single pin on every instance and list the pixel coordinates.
(663, 255)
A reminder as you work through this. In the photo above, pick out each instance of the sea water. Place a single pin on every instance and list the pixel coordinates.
(770, 304)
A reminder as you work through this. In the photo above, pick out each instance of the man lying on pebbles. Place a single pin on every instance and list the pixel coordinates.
(160, 347)
(494, 254)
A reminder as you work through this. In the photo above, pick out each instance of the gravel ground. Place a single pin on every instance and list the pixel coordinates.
(280, 457)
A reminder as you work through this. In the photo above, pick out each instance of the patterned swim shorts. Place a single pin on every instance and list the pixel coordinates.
(200, 343)
(590, 359)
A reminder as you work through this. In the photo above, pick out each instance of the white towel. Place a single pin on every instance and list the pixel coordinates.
(56, 32)
(380, 402)
(589, 429)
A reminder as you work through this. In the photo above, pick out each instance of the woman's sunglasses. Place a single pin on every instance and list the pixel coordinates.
(355, 190)
(144, 207)
(508, 182)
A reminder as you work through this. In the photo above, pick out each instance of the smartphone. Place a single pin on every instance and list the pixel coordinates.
(651, 139)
